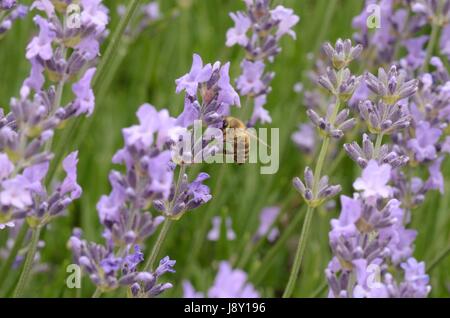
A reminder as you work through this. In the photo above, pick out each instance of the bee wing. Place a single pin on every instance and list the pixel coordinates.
(251, 135)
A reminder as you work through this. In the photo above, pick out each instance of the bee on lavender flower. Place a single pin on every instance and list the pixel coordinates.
(237, 138)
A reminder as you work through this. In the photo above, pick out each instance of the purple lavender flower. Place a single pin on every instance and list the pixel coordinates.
(238, 34)
(315, 194)
(305, 138)
(197, 75)
(342, 54)
(424, 144)
(185, 197)
(384, 119)
(85, 99)
(41, 46)
(229, 283)
(391, 86)
(287, 20)
(374, 181)
(436, 179)
(365, 153)
(214, 233)
(258, 31)
(209, 94)
(267, 218)
(250, 82)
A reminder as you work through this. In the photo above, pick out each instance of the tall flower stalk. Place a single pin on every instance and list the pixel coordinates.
(315, 190)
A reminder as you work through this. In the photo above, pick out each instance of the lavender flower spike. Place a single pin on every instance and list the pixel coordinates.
(392, 86)
(313, 194)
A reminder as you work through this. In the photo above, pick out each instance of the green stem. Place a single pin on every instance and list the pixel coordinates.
(378, 144)
(111, 50)
(309, 213)
(98, 292)
(167, 222)
(430, 48)
(156, 248)
(26, 271)
(13, 253)
(319, 166)
(319, 291)
(299, 254)
(438, 259)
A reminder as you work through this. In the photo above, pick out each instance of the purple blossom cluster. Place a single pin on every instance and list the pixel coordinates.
(229, 283)
(208, 94)
(124, 213)
(369, 238)
(26, 132)
(149, 182)
(258, 31)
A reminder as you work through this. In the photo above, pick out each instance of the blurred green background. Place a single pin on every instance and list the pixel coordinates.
(146, 74)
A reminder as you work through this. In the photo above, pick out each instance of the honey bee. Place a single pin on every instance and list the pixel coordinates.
(237, 137)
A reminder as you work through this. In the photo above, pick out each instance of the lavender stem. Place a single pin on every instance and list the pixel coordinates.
(26, 271)
(98, 292)
(430, 48)
(309, 213)
(157, 247)
(378, 144)
(111, 50)
(13, 253)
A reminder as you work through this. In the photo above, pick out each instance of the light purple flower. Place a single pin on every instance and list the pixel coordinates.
(287, 19)
(267, 217)
(416, 277)
(94, 13)
(7, 224)
(108, 206)
(416, 53)
(15, 192)
(214, 233)
(238, 34)
(445, 41)
(250, 81)
(44, 5)
(423, 145)
(190, 113)
(259, 112)
(374, 181)
(197, 75)
(6, 166)
(70, 182)
(150, 121)
(85, 99)
(227, 94)
(151, 10)
(305, 138)
(36, 79)
(7, 4)
(35, 175)
(41, 45)
(161, 173)
(231, 283)
(345, 224)
(190, 292)
(436, 179)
